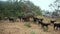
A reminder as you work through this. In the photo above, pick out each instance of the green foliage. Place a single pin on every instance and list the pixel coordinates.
(27, 25)
(45, 29)
(32, 32)
(56, 6)
(14, 8)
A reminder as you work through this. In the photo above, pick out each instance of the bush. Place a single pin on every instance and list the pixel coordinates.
(27, 24)
(32, 32)
(45, 29)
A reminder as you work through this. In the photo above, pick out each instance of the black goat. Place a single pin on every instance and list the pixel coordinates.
(56, 25)
(52, 21)
(43, 24)
(23, 18)
(11, 19)
(35, 19)
(40, 21)
(20, 17)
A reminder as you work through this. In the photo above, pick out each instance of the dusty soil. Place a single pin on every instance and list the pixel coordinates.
(7, 27)
(19, 28)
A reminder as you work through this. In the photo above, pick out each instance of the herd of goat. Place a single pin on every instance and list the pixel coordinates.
(40, 21)
(35, 19)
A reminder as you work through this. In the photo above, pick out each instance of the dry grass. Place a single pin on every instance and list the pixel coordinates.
(19, 28)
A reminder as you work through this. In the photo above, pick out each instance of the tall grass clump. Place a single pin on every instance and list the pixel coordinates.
(45, 29)
(27, 25)
(32, 32)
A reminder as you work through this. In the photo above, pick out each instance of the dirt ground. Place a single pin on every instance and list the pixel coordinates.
(19, 28)
(7, 27)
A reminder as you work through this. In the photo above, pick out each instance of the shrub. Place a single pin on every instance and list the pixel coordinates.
(27, 24)
(45, 29)
(32, 32)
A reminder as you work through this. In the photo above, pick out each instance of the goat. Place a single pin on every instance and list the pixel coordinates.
(35, 19)
(56, 25)
(40, 20)
(43, 24)
(52, 21)
(11, 19)
(20, 17)
(23, 18)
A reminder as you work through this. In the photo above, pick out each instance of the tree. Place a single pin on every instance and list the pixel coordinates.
(33, 9)
(14, 8)
(56, 7)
